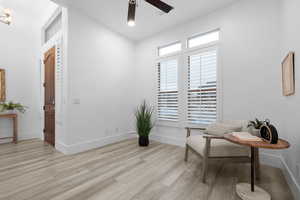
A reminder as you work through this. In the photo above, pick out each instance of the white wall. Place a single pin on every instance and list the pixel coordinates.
(290, 105)
(19, 56)
(101, 84)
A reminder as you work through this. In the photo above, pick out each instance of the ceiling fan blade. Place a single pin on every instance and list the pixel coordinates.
(160, 5)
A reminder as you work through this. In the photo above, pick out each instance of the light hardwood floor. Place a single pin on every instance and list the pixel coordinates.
(123, 171)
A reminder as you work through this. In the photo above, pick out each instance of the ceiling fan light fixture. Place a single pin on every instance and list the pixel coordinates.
(131, 13)
(131, 23)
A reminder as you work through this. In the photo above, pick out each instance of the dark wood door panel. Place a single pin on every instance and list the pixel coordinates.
(49, 107)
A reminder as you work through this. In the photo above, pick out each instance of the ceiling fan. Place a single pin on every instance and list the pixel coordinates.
(166, 8)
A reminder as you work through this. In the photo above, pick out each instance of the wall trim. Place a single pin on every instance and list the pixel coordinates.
(290, 178)
(168, 140)
(270, 160)
(61, 147)
(265, 158)
(84, 146)
(28, 136)
(22, 136)
(279, 162)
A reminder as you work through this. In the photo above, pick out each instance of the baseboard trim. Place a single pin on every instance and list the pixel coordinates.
(168, 140)
(29, 136)
(291, 180)
(61, 147)
(265, 158)
(22, 136)
(85, 146)
(271, 160)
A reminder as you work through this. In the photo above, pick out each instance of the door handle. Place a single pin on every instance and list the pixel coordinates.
(49, 107)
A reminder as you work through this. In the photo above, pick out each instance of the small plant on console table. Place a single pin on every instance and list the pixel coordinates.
(144, 123)
(255, 126)
(10, 107)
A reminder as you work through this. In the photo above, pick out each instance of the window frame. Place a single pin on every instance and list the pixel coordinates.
(57, 23)
(202, 45)
(56, 13)
(170, 54)
(182, 57)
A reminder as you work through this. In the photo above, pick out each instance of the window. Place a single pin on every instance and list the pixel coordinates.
(168, 90)
(169, 49)
(188, 81)
(203, 39)
(202, 88)
(53, 28)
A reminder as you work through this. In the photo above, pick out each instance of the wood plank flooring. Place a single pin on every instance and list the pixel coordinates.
(32, 170)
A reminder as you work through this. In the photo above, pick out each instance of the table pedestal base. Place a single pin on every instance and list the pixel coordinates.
(244, 192)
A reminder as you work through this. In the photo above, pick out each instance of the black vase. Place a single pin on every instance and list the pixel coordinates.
(269, 133)
(143, 141)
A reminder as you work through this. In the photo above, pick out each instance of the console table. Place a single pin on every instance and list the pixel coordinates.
(14, 118)
(250, 191)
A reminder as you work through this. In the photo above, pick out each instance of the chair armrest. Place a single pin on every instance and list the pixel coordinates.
(189, 129)
(196, 128)
(212, 136)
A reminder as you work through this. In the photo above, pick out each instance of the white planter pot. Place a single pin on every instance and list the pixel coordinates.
(255, 132)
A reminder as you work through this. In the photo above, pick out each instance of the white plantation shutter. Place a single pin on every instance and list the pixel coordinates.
(168, 90)
(202, 87)
(59, 77)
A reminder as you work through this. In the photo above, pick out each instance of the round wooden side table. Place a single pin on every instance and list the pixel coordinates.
(249, 191)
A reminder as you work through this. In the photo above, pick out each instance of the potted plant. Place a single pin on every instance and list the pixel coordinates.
(10, 107)
(144, 123)
(255, 126)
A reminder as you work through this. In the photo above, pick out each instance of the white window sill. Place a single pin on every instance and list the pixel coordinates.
(178, 124)
(169, 123)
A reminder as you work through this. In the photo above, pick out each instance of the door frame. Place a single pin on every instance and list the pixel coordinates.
(59, 40)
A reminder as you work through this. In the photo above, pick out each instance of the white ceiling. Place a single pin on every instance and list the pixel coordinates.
(113, 13)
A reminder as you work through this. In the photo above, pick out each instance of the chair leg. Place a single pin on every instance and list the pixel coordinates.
(204, 169)
(205, 160)
(186, 153)
(257, 164)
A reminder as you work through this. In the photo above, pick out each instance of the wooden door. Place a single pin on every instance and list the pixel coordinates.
(49, 86)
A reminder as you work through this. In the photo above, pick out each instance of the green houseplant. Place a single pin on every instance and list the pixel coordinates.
(144, 123)
(11, 106)
(255, 126)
